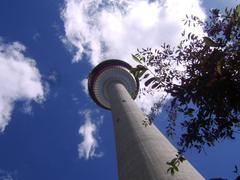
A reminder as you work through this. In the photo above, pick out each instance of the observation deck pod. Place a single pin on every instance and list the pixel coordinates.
(107, 72)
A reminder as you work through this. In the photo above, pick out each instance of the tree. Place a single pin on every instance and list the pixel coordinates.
(206, 90)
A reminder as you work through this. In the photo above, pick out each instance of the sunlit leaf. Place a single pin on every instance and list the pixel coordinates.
(141, 67)
(142, 59)
(140, 73)
(238, 9)
(134, 71)
(175, 168)
(136, 58)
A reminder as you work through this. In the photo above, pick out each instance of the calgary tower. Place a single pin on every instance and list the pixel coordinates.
(142, 152)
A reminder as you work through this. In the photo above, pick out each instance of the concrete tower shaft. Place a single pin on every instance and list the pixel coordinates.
(142, 152)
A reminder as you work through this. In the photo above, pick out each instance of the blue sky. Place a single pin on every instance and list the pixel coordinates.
(50, 128)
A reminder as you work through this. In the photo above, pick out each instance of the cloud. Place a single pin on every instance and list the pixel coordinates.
(84, 84)
(87, 148)
(27, 108)
(4, 175)
(104, 29)
(19, 79)
(115, 29)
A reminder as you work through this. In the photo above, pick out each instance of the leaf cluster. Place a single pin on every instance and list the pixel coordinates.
(202, 74)
(175, 163)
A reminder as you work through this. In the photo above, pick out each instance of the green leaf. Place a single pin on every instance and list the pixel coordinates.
(136, 58)
(210, 42)
(175, 168)
(141, 67)
(189, 112)
(142, 59)
(181, 159)
(174, 160)
(238, 9)
(140, 73)
(134, 71)
(219, 66)
(171, 169)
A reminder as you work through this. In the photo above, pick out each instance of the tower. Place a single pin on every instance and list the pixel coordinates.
(142, 152)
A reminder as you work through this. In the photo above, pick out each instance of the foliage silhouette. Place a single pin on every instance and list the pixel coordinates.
(202, 75)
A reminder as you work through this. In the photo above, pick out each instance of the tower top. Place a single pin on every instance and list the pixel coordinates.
(109, 71)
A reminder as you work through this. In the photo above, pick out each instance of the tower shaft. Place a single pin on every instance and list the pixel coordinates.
(142, 152)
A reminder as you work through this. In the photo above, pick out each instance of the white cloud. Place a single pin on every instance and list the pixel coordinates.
(19, 80)
(4, 175)
(84, 84)
(36, 36)
(52, 77)
(115, 29)
(27, 108)
(87, 148)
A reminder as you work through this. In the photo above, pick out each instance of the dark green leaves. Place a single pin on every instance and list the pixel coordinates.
(189, 112)
(175, 163)
(141, 67)
(207, 91)
(136, 58)
(238, 9)
(138, 71)
(209, 42)
(219, 66)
